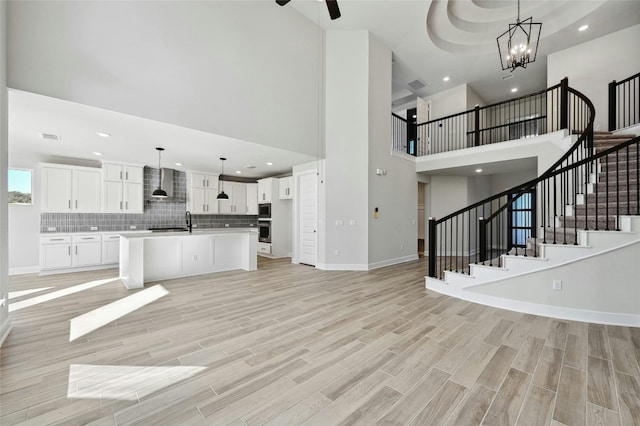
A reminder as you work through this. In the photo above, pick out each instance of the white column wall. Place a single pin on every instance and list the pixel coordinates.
(347, 151)
(5, 323)
(393, 236)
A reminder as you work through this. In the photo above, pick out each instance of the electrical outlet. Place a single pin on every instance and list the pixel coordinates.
(132, 227)
(352, 222)
(401, 247)
(557, 285)
(226, 225)
(94, 228)
(195, 225)
(337, 252)
(51, 229)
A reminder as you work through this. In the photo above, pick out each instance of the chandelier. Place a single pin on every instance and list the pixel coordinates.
(515, 45)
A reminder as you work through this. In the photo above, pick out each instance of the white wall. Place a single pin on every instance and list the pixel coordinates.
(586, 285)
(393, 235)
(447, 102)
(24, 232)
(347, 150)
(473, 98)
(591, 66)
(5, 323)
(212, 66)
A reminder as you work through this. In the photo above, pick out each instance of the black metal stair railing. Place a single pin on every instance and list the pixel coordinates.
(624, 102)
(478, 233)
(529, 115)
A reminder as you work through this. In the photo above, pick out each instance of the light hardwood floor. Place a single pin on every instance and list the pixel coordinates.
(288, 345)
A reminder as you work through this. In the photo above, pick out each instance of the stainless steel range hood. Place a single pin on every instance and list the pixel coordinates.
(168, 183)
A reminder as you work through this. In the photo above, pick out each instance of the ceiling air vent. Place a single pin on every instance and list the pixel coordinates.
(50, 136)
(416, 84)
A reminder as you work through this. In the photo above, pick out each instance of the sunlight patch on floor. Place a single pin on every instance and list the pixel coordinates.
(56, 294)
(92, 320)
(123, 382)
(16, 294)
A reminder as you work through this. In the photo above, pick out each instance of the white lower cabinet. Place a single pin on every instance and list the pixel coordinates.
(55, 252)
(110, 249)
(87, 250)
(64, 252)
(264, 248)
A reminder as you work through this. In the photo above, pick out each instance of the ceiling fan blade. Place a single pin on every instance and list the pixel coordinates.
(282, 2)
(334, 10)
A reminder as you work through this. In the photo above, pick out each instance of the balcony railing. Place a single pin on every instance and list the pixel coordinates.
(530, 115)
(480, 233)
(624, 103)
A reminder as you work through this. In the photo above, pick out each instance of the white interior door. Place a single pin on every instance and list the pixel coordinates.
(308, 213)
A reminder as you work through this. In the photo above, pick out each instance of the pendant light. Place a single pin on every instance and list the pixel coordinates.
(222, 195)
(518, 46)
(159, 192)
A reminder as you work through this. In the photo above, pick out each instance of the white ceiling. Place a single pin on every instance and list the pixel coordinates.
(429, 39)
(132, 140)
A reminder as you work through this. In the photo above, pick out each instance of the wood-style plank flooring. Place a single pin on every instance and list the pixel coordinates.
(289, 345)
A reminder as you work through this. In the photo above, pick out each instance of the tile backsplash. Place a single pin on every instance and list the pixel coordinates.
(156, 214)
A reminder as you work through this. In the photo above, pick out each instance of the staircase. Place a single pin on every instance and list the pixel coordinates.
(610, 192)
(600, 228)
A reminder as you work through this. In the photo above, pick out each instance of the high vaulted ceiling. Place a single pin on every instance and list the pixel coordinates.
(457, 38)
(169, 62)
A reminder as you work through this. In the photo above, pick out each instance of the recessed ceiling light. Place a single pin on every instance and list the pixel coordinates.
(445, 78)
(238, 172)
(97, 153)
(478, 170)
(269, 163)
(103, 134)
(514, 90)
(583, 28)
(178, 164)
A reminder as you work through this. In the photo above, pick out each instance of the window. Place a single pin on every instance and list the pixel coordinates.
(20, 186)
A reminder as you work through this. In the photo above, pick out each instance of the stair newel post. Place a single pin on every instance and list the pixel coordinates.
(432, 247)
(564, 103)
(476, 133)
(482, 237)
(612, 105)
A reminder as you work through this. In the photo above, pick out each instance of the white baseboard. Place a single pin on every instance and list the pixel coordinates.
(395, 261)
(342, 267)
(24, 270)
(5, 329)
(365, 267)
(553, 311)
(78, 269)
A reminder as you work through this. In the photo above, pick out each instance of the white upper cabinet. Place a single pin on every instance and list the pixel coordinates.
(285, 188)
(70, 189)
(202, 192)
(265, 190)
(252, 198)
(123, 189)
(237, 202)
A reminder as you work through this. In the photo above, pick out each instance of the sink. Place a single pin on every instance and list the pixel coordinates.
(168, 229)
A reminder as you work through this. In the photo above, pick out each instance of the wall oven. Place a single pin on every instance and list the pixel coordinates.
(264, 231)
(264, 211)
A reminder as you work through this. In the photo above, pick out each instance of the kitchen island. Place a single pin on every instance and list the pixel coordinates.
(147, 257)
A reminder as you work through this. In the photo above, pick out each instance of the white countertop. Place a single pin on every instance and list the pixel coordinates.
(196, 232)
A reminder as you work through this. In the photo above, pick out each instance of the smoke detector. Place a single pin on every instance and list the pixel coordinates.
(50, 136)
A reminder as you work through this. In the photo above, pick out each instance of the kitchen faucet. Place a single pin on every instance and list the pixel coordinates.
(189, 224)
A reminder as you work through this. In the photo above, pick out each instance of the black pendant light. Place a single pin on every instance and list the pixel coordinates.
(518, 46)
(159, 192)
(222, 195)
